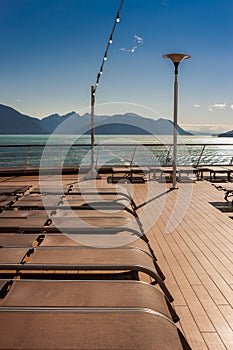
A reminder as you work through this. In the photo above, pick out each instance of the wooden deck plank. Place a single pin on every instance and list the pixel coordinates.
(213, 341)
(188, 236)
(227, 312)
(190, 329)
(222, 327)
(194, 304)
(200, 270)
(210, 269)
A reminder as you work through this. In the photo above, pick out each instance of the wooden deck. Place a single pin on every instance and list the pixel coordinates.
(193, 241)
(197, 260)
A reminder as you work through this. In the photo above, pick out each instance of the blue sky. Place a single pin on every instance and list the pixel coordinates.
(51, 51)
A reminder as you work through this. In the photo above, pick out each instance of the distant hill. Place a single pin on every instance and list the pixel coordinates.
(226, 134)
(119, 124)
(51, 122)
(13, 122)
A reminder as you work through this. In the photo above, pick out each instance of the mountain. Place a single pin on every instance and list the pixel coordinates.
(226, 134)
(13, 122)
(51, 122)
(119, 124)
(131, 123)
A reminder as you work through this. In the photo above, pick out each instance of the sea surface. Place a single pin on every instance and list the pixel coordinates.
(61, 139)
(74, 150)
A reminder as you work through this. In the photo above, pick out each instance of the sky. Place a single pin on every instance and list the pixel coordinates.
(51, 53)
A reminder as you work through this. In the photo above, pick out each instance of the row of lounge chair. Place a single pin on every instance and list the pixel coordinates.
(81, 274)
(139, 174)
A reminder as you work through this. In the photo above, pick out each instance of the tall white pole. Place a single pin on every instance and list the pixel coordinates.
(92, 126)
(92, 174)
(175, 128)
(176, 59)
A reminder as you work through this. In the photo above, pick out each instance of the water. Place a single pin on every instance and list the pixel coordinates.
(29, 150)
(67, 139)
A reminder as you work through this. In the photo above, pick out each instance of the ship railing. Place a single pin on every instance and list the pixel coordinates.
(113, 154)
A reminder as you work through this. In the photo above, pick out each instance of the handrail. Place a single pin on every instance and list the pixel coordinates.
(113, 144)
(29, 155)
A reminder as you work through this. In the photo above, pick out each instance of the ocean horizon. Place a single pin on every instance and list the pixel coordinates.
(26, 139)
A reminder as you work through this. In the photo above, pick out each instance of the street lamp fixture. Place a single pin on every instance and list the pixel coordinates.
(176, 58)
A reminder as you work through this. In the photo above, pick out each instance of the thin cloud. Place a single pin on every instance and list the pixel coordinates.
(138, 39)
(134, 48)
(196, 106)
(218, 106)
(231, 106)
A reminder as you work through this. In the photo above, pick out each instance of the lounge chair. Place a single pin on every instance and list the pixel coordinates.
(124, 240)
(77, 220)
(19, 240)
(13, 190)
(20, 220)
(47, 190)
(213, 170)
(6, 201)
(83, 189)
(128, 174)
(102, 328)
(12, 255)
(37, 201)
(111, 260)
(161, 170)
(67, 294)
(96, 201)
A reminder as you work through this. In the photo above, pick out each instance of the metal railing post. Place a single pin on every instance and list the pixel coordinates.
(26, 159)
(168, 158)
(97, 157)
(131, 163)
(199, 159)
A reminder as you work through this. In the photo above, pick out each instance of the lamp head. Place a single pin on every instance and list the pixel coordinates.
(176, 58)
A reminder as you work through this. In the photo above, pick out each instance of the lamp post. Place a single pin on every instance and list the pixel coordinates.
(176, 59)
(92, 174)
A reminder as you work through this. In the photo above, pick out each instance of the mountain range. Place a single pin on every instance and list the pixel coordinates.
(13, 122)
(226, 134)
